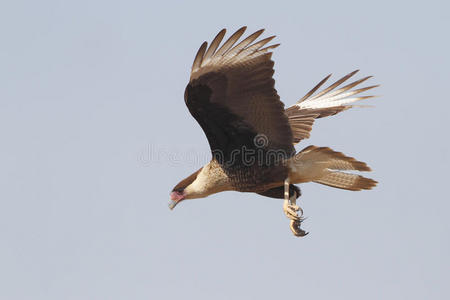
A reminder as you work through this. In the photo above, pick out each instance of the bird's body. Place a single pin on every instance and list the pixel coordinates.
(231, 94)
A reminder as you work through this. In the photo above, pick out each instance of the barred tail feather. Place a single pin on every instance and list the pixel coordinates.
(324, 166)
(346, 181)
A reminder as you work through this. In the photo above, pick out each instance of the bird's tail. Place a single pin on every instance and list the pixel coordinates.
(323, 165)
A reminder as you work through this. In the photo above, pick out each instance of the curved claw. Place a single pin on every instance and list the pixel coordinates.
(293, 217)
(296, 230)
(300, 210)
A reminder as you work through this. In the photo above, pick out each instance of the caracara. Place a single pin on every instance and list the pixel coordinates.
(232, 96)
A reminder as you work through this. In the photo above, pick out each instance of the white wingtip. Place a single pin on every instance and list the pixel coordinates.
(329, 97)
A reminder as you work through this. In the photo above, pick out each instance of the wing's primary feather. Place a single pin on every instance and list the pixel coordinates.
(251, 49)
(236, 49)
(337, 83)
(327, 102)
(214, 44)
(199, 57)
(230, 42)
(314, 89)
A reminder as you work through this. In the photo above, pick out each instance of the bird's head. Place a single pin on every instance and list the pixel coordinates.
(181, 191)
(177, 195)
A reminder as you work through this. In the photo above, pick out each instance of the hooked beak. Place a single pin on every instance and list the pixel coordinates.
(175, 198)
(172, 204)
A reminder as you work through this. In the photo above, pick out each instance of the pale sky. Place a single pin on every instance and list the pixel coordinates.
(95, 133)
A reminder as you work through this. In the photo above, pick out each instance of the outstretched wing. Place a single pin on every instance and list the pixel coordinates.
(326, 103)
(231, 94)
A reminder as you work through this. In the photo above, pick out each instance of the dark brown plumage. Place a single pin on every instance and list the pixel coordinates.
(231, 94)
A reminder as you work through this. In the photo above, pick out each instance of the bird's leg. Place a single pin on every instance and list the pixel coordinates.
(291, 208)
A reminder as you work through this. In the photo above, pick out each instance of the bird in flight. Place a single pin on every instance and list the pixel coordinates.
(231, 95)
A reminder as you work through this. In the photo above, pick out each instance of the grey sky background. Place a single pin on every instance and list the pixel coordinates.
(95, 133)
